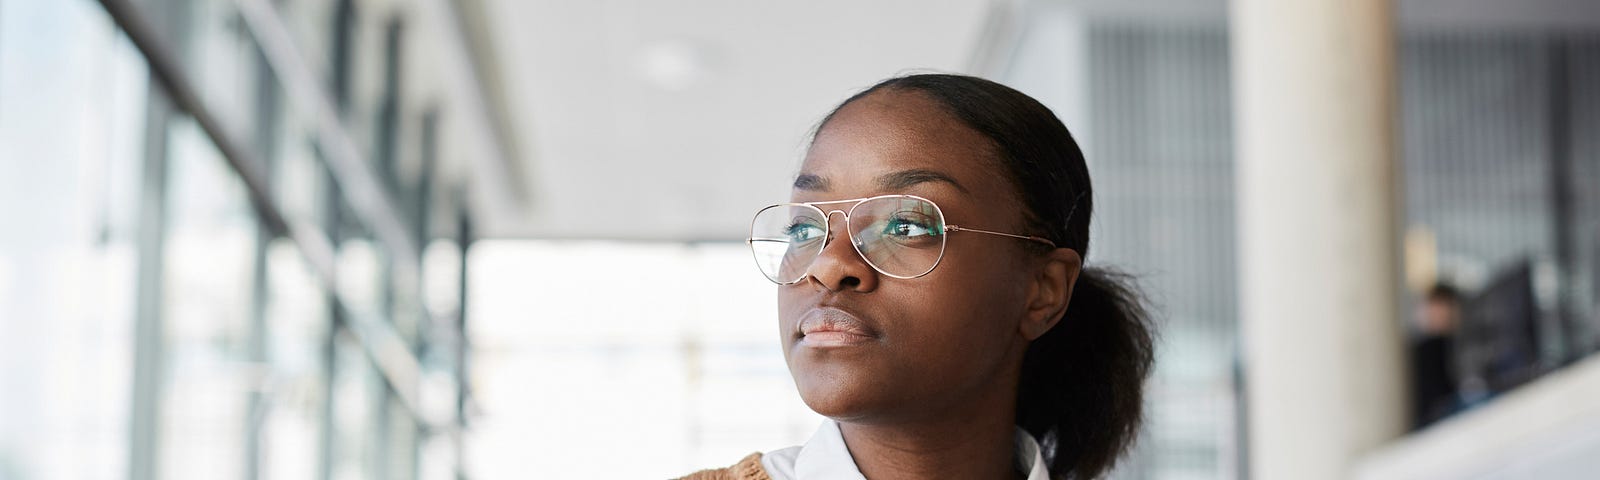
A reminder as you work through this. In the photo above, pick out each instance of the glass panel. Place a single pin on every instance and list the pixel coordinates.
(243, 369)
(222, 59)
(361, 280)
(297, 326)
(209, 293)
(72, 114)
(356, 392)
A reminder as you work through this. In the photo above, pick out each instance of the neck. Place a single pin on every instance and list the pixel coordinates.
(973, 439)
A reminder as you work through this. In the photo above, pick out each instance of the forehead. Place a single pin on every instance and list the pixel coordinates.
(893, 131)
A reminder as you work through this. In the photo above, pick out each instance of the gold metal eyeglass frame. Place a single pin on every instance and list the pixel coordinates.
(827, 233)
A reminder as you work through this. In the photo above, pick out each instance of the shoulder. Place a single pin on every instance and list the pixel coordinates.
(748, 468)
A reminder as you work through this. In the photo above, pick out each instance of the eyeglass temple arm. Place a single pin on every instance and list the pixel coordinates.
(958, 228)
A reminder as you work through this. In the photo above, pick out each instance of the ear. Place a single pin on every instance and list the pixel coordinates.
(1050, 292)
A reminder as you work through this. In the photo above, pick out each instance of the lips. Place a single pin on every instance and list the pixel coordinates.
(832, 327)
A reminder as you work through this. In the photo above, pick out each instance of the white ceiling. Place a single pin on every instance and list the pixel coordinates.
(676, 120)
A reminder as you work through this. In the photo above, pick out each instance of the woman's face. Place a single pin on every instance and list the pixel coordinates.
(903, 348)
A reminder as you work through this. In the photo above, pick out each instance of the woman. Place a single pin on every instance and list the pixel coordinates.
(933, 303)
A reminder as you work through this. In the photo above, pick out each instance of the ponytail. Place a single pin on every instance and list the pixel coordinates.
(1082, 382)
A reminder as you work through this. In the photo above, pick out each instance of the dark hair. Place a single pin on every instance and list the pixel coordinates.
(1082, 386)
(1444, 292)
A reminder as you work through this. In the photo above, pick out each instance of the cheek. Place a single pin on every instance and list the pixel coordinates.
(957, 327)
(969, 312)
(975, 273)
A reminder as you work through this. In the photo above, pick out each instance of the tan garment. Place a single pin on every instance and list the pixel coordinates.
(747, 469)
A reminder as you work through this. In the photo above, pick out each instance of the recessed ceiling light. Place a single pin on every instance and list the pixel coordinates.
(674, 65)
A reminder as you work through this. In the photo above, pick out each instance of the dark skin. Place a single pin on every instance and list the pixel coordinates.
(927, 387)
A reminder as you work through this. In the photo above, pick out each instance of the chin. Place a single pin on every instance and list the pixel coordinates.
(835, 405)
(842, 394)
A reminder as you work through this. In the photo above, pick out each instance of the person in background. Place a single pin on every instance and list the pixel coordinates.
(933, 302)
(1433, 357)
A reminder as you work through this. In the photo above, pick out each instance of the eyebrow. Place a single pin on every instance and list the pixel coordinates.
(890, 181)
(907, 178)
(811, 183)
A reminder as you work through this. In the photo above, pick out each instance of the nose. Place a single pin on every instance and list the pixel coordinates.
(840, 266)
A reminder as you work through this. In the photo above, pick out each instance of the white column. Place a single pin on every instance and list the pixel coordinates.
(1314, 95)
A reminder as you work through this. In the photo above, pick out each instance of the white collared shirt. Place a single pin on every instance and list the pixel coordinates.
(824, 457)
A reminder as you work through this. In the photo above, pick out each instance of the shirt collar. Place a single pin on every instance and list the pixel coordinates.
(825, 456)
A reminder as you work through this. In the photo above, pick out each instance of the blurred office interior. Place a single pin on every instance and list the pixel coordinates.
(395, 239)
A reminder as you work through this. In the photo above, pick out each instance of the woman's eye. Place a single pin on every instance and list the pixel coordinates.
(907, 227)
(801, 232)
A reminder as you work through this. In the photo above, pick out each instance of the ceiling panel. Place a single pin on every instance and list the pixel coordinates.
(676, 120)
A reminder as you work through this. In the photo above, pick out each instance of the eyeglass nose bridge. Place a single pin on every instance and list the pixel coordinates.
(827, 223)
(827, 239)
